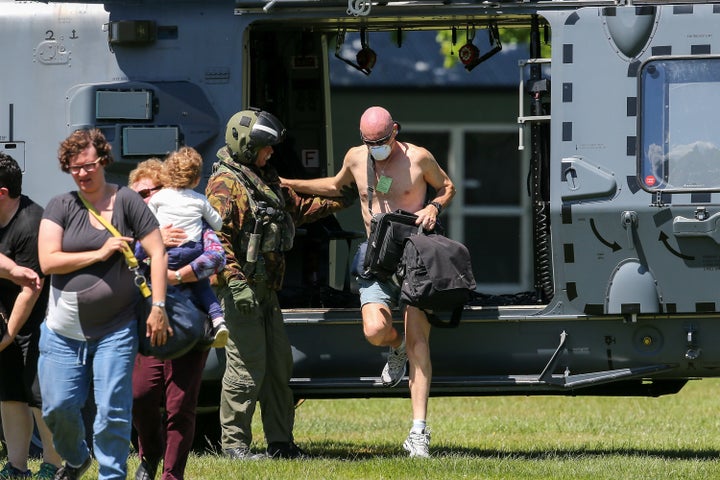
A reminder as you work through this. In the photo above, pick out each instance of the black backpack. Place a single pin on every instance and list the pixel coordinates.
(437, 276)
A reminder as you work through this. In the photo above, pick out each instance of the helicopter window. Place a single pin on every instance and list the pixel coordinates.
(679, 139)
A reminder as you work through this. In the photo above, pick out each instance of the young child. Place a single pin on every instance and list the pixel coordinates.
(177, 204)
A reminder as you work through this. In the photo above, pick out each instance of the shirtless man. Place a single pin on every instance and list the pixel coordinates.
(402, 173)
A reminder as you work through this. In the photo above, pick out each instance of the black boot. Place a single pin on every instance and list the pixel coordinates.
(147, 469)
(285, 450)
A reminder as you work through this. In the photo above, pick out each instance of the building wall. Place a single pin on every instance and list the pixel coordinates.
(419, 106)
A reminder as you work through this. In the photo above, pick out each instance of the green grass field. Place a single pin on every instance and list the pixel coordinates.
(676, 436)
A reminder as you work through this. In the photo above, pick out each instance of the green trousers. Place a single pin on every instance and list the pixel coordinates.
(259, 367)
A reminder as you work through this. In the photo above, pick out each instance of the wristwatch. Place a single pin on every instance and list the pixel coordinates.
(159, 304)
(437, 206)
(178, 277)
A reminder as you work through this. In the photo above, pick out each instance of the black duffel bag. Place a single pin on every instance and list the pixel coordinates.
(436, 276)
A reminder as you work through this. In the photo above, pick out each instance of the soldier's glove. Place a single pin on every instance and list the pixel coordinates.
(243, 296)
(348, 194)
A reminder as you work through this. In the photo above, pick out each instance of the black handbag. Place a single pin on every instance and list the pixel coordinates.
(385, 245)
(186, 320)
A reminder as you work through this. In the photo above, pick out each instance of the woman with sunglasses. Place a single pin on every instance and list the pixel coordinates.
(89, 338)
(169, 386)
(145, 180)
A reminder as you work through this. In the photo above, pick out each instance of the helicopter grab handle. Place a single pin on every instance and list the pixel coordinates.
(701, 226)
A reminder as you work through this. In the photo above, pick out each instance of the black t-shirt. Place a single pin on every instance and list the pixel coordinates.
(18, 241)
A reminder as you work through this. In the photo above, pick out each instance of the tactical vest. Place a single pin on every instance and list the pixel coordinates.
(267, 209)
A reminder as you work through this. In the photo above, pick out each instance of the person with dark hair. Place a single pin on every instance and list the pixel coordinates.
(89, 337)
(21, 276)
(392, 175)
(259, 219)
(24, 305)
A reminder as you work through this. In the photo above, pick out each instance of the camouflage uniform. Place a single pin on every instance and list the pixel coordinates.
(259, 358)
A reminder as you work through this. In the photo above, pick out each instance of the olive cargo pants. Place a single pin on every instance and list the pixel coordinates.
(259, 367)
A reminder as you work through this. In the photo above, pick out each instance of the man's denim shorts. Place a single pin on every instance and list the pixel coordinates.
(374, 291)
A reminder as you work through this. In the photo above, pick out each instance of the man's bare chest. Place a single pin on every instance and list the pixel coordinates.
(392, 180)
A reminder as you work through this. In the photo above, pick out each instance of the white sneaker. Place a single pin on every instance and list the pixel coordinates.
(418, 444)
(221, 335)
(395, 367)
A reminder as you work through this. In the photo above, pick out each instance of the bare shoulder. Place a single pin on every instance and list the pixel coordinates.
(355, 155)
(355, 159)
(418, 155)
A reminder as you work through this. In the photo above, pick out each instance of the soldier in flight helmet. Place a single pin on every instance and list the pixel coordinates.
(250, 130)
(259, 218)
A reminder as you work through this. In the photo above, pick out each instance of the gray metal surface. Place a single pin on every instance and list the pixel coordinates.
(634, 269)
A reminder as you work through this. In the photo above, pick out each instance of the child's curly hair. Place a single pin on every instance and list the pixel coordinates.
(181, 168)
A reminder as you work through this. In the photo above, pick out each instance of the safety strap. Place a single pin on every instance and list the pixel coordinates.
(370, 174)
(132, 263)
(252, 191)
(254, 185)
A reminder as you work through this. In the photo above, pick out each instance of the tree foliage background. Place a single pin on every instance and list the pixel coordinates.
(508, 36)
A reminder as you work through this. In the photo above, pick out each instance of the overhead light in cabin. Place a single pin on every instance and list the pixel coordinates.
(469, 53)
(364, 59)
(476, 59)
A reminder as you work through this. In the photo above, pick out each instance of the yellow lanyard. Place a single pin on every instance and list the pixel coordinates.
(130, 259)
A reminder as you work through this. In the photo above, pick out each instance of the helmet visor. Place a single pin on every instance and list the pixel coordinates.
(268, 130)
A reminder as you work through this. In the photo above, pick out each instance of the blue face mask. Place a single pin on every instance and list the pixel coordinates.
(380, 152)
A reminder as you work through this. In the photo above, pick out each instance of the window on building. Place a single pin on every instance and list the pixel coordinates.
(490, 213)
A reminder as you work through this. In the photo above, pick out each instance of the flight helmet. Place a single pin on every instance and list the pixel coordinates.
(250, 130)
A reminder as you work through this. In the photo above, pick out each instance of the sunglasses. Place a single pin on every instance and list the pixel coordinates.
(88, 167)
(377, 143)
(146, 192)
